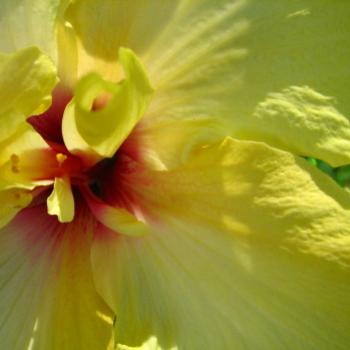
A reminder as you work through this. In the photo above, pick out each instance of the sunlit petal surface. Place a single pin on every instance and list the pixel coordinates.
(48, 298)
(174, 174)
(248, 250)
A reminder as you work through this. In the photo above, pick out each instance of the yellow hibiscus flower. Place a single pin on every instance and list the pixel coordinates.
(153, 182)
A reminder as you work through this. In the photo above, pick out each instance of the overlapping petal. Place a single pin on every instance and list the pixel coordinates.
(182, 43)
(24, 159)
(27, 78)
(250, 249)
(119, 220)
(26, 23)
(48, 300)
(249, 246)
(230, 56)
(304, 122)
(61, 200)
(151, 145)
(99, 132)
(12, 201)
(303, 43)
(105, 26)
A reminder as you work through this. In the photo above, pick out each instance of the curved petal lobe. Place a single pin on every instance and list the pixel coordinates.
(117, 219)
(248, 251)
(27, 78)
(102, 114)
(61, 200)
(302, 121)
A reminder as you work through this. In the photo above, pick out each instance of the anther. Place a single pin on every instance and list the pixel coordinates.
(60, 157)
(14, 159)
(21, 199)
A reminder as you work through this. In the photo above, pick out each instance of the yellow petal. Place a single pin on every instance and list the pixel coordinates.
(265, 68)
(12, 201)
(100, 132)
(268, 69)
(25, 160)
(302, 121)
(106, 26)
(182, 42)
(61, 200)
(103, 27)
(27, 78)
(68, 63)
(48, 299)
(249, 250)
(30, 22)
(294, 92)
(156, 149)
(117, 219)
(295, 45)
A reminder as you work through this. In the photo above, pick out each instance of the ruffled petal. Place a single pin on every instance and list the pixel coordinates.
(273, 71)
(172, 38)
(249, 250)
(302, 121)
(284, 91)
(102, 114)
(48, 300)
(299, 95)
(27, 78)
(303, 43)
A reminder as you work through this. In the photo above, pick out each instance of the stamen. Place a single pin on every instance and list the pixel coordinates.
(21, 199)
(60, 157)
(14, 159)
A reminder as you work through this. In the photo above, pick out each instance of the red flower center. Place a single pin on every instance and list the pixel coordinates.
(104, 179)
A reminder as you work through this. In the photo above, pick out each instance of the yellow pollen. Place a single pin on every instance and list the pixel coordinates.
(21, 199)
(61, 158)
(14, 159)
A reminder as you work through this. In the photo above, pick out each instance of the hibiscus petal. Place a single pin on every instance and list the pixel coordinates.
(180, 41)
(23, 140)
(249, 250)
(295, 58)
(117, 219)
(102, 114)
(25, 23)
(48, 300)
(25, 160)
(61, 200)
(104, 27)
(226, 58)
(304, 122)
(12, 201)
(303, 43)
(151, 145)
(27, 78)
(294, 94)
